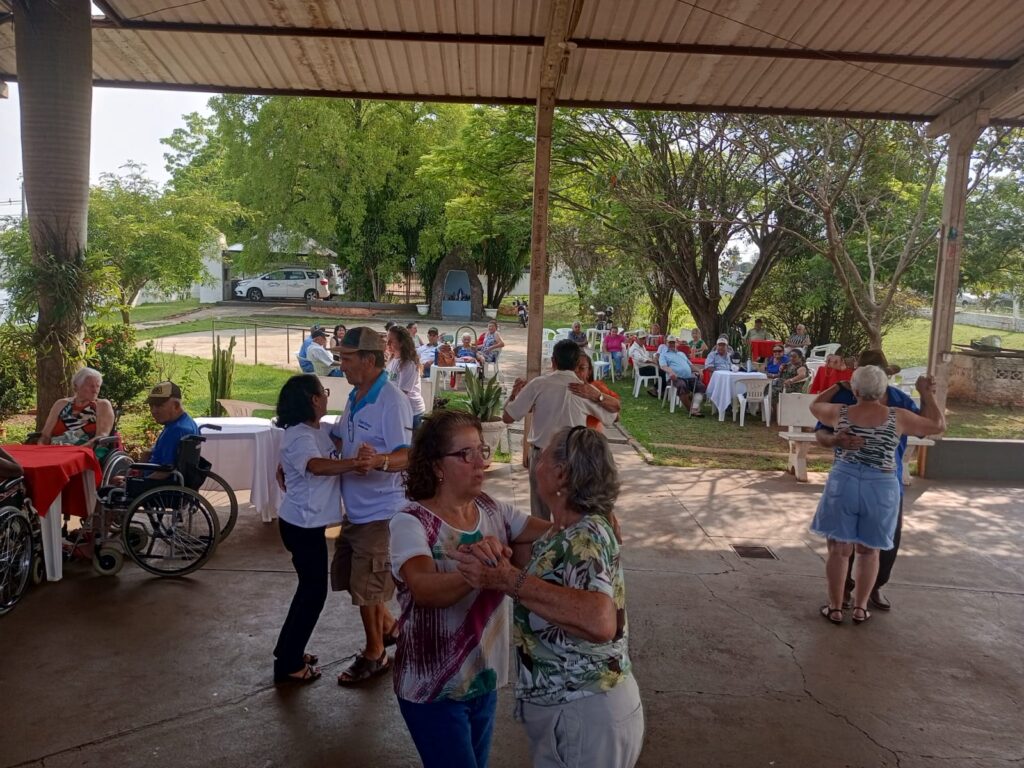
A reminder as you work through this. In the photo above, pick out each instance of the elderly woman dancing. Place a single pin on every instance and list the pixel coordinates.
(577, 697)
(861, 501)
(453, 649)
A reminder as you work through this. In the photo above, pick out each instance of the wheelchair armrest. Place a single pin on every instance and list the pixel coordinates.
(108, 440)
(152, 467)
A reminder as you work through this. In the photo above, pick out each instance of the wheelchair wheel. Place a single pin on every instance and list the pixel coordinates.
(15, 557)
(170, 531)
(222, 499)
(107, 561)
(115, 464)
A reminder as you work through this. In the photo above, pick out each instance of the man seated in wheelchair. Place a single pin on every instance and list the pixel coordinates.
(165, 407)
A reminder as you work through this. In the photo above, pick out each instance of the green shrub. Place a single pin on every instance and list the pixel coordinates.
(17, 370)
(127, 369)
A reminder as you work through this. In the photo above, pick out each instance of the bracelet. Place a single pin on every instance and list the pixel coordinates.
(387, 460)
(518, 585)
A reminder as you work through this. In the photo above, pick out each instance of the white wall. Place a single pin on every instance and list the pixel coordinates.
(561, 284)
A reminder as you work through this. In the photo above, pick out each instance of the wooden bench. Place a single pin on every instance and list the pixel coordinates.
(795, 414)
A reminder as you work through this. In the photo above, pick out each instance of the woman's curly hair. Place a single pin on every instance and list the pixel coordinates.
(429, 445)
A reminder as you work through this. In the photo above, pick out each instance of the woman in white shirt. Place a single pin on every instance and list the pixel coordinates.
(403, 368)
(312, 502)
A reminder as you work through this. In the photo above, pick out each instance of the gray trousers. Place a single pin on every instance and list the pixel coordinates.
(537, 507)
(605, 730)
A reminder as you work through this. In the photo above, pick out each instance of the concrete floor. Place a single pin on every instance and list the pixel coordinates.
(734, 664)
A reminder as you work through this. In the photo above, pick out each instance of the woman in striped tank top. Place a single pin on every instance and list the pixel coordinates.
(860, 504)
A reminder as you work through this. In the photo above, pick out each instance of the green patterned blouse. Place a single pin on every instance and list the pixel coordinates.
(554, 665)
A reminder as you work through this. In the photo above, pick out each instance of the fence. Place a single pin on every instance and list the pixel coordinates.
(984, 320)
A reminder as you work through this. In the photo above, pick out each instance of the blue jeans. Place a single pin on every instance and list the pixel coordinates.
(616, 361)
(452, 734)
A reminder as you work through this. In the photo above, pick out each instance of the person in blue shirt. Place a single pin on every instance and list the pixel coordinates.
(829, 438)
(679, 374)
(305, 365)
(774, 364)
(165, 407)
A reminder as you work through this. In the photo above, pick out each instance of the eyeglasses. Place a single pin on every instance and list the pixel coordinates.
(468, 454)
(776, 350)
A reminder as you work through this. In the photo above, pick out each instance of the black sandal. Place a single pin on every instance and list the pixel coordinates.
(865, 615)
(391, 638)
(363, 669)
(309, 658)
(828, 612)
(308, 674)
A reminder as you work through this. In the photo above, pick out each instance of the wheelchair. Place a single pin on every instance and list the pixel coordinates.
(21, 548)
(220, 495)
(165, 526)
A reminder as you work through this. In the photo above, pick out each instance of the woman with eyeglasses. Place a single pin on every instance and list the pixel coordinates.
(774, 364)
(576, 694)
(309, 470)
(452, 651)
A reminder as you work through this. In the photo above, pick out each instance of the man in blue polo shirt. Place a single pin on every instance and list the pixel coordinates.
(679, 374)
(375, 429)
(164, 402)
(828, 438)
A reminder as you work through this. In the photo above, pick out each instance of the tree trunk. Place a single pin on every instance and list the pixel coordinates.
(53, 44)
(660, 292)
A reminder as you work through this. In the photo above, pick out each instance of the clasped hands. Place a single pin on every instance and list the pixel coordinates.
(486, 564)
(367, 458)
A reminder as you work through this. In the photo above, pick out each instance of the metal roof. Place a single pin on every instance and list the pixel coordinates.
(911, 59)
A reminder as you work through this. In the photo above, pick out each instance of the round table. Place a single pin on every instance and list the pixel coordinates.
(245, 452)
(722, 388)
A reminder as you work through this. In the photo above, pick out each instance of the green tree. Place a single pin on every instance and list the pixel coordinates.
(342, 172)
(679, 189)
(486, 175)
(149, 236)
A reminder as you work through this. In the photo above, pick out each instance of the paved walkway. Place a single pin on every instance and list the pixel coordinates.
(735, 666)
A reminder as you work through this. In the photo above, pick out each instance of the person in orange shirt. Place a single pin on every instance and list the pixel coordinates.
(595, 391)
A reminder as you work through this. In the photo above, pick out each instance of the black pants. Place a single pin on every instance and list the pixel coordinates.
(309, 556)
(886, 557)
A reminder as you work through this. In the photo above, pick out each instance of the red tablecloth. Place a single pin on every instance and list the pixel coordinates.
(826, 377)
(762, 349)
(50, 470)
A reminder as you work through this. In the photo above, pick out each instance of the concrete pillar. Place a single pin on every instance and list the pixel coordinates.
(947, 267)
(53, 44)
(539, 234)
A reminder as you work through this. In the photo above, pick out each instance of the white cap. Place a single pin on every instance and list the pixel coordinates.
(722, 340)
(671, 338)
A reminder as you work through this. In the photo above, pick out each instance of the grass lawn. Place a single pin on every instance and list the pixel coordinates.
(147, 313)
(675, 439)
(907, 345)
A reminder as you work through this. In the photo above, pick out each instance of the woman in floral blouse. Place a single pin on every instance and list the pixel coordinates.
(576, 695)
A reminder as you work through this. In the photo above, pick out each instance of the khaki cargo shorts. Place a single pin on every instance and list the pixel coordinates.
(361, 564)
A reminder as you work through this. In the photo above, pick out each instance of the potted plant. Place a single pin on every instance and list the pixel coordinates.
(485, 402)
(423, 309)
(491, 312)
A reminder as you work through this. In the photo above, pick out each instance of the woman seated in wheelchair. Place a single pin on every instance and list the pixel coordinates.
(165, 407)
(82, 418)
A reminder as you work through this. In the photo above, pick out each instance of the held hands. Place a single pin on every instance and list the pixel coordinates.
(367, 458)
(486, 565)
(517, 387)
(848, 441)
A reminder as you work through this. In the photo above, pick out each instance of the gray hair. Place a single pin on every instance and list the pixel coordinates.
(869, 382)
(593, 479)
(85, 373)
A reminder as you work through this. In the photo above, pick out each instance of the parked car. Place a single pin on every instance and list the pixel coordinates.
(285, 283)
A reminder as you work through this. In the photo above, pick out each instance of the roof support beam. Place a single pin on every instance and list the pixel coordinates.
(626, 46)
(987, 96)
(947, 268)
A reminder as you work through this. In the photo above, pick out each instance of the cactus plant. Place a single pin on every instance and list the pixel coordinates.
(222, 370)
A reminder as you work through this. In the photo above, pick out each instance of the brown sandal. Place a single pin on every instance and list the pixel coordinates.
(363, 669)
(829, 613)
(308, 674)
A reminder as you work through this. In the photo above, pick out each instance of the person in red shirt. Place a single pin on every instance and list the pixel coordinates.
(832, 372)
(595, 391)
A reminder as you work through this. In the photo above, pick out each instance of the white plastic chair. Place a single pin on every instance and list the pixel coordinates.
(563, 332)
(813, 366)
(642, 382)
(822, 351)
(749, 392)
(548, 335)
(495, 366)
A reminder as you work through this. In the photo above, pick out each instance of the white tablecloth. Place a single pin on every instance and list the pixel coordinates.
(245, 453)
(722, 388)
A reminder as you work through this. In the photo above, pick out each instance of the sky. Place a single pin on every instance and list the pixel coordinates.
(127, 124)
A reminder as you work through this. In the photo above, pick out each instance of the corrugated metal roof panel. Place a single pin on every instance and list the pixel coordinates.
(314, 46)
